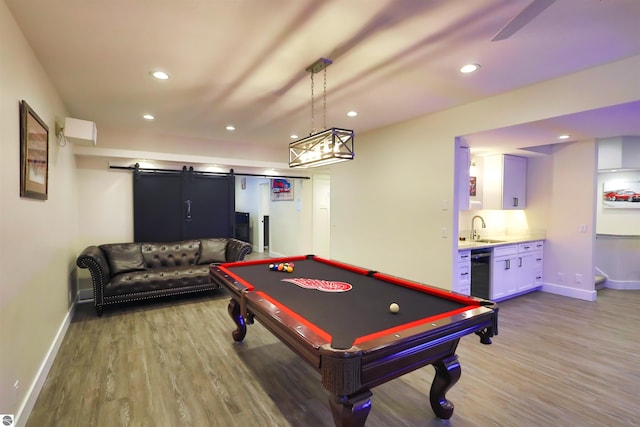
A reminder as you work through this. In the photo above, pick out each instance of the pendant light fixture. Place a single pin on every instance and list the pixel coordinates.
(323, 146)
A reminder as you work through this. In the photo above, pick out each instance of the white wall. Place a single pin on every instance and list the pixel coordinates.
(248, 200)
(569, 250)
(617, 257)
(290, 222)
(321, 215)
(39, 238)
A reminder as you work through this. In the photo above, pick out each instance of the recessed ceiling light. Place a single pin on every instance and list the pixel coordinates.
(148, 117)
(469, 68)
(160, 75)
(294, 136)
(230, 127)
(563, 137)
(352, 113)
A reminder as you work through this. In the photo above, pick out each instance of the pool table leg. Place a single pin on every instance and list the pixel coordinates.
(351, 411)
(236, 315)
(447, 374)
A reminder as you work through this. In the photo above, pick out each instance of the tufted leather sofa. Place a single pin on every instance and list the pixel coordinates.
(123, 272)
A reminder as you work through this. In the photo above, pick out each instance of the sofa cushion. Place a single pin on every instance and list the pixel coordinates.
(212, 250)
(123, 257)
(158, 279)
(171, 254)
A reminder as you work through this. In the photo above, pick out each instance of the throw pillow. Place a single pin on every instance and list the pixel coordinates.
(212, 250)
(123, 257)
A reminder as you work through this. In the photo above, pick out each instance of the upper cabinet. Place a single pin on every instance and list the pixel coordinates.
(505, 182)
(463, 160)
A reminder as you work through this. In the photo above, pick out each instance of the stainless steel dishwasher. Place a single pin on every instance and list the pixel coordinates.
(481, 273)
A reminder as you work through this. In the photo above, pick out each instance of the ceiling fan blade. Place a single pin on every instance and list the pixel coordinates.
(523, 18)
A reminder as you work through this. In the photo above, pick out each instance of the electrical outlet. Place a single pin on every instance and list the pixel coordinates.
(444, 232)
(560, 277)
(578, 278)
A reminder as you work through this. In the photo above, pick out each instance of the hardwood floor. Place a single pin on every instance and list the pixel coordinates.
(556, 362)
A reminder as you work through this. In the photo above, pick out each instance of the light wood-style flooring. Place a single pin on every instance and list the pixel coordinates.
(556, 362)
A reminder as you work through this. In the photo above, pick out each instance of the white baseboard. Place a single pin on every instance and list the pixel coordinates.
(583, 294)
(627, 285)
(25, 408)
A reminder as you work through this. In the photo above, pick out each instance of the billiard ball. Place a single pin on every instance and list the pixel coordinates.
(394, 308)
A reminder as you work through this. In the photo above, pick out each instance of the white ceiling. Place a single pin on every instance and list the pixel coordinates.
(242, 62)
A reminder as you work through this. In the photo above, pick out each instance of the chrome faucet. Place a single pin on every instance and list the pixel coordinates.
(474, 234)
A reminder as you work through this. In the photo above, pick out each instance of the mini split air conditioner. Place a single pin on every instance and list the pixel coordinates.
(80, 131)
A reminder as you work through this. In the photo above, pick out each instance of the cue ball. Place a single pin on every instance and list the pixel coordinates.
(394, 308)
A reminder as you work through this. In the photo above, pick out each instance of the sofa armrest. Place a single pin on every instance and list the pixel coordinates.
(237, 250)
(94, 259)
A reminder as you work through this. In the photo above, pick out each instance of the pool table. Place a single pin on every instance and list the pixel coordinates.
(337, 317)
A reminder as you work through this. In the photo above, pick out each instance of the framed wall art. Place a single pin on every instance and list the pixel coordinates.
(621, 191)
(472, 185)
(281, 189)
(34, 154)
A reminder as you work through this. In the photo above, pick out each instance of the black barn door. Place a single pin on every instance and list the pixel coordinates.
(209, 203)
(170, 206)
(157, 213)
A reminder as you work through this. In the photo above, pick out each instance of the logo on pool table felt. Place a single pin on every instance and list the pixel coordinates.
(320, 285)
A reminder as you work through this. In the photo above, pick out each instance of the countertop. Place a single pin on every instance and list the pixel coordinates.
(497, 241)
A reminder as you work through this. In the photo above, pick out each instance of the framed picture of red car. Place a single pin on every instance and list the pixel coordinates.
(281, 189)
(34, 154)
(623, 192)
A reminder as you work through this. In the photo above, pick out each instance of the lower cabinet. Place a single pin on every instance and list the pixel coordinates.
(462, 280)
(516, 268)
(504, 271)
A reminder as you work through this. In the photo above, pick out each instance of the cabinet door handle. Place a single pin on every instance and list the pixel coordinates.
(519, 261)
(515, 202)
(507, 264)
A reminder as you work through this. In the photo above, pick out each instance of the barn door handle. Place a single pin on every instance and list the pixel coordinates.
(188, 203)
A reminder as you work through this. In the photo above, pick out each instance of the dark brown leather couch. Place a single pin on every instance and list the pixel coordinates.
(123, 272)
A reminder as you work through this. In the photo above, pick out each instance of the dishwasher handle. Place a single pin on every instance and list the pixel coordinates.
(481, 255)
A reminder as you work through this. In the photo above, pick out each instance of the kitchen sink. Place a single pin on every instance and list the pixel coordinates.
(489, 241)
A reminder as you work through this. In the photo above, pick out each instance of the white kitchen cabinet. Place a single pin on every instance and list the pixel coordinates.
(516, 269)
(462, 280)
(504, 271)
(530, 260)
(463, 161)
(505, 182)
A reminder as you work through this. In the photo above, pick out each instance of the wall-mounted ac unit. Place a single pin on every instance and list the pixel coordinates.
(80, 131)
